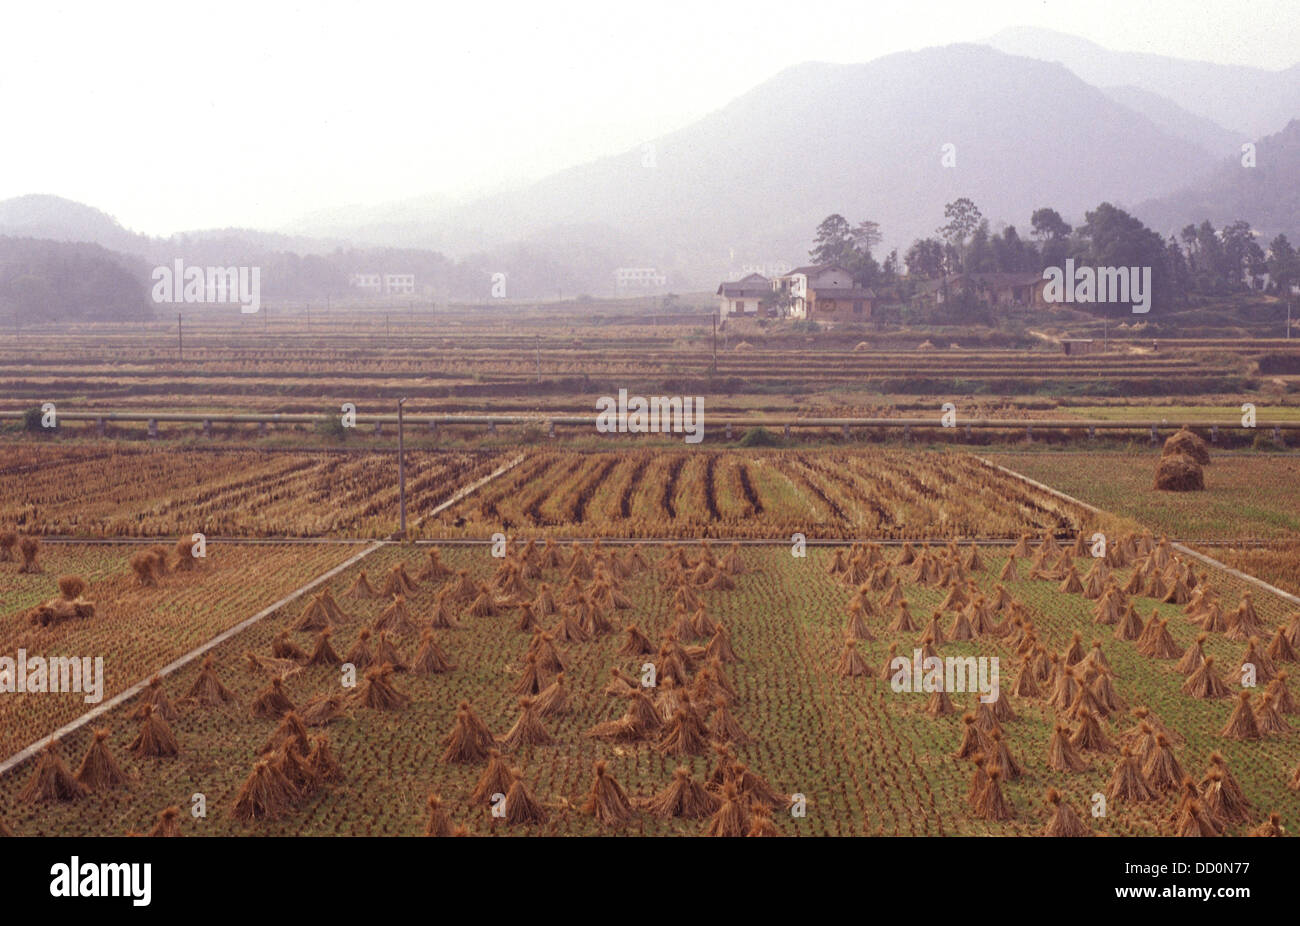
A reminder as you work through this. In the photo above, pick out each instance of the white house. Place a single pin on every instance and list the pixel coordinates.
(744, 296)
(399, 284)
(394, 284)
(639, 280)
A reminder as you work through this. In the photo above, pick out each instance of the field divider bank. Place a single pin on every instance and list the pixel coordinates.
(104, 417)
(614, 541)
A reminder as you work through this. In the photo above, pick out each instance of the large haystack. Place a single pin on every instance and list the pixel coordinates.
(1179, 473)
(1188, 444)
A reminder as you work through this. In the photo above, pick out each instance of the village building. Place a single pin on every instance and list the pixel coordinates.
(746, 296)
(399, 284)
(825, 292)
(630, 280)
(392, 284)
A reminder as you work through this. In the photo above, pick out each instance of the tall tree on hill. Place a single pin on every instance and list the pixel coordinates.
(1053, 233)
(1188, 236)
(889, 269)
(963, 219)
(924, 259)
(979, 257)
(833, 243)
(1047, 224)
(1211, 266)
(866, 236)
(838, 242)
(1113, 238)
(1241, 252)
(1283, 264)
(1012, 254)
(1180, 274)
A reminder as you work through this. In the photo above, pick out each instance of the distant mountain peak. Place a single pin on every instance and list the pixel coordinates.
(1250, 101)
(1265, 195)
(46, 208)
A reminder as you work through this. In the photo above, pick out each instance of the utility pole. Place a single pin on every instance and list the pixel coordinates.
(539, 356)
(401, 469)
(309, 316)
(1288, 319)
(180, 339)
(715, 346)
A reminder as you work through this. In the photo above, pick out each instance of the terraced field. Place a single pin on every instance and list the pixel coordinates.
(293, 365)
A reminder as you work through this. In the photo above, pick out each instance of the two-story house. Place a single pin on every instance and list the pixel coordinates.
(744, 296)
(827, 292)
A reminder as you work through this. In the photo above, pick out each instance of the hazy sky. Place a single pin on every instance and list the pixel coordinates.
(178, 115)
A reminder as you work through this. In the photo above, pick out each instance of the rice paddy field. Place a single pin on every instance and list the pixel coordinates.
(476, 363)
(1247, 497)
(137, 630)
(873, 493)
(285, 364)
(866, 759)
(112, 491)
(584, 634)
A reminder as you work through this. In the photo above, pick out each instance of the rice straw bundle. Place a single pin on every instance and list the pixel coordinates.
(522, 808)
(607, 801)
(430, 658)
(155, 737)
(99, 771)
(528, 729)
(266, 794)
(1065, 822)
(378, 692)
(51, 781)
(207, 690)
(684, 797)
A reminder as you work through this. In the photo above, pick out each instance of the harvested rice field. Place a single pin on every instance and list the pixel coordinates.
(645, 682)
(875, 493)
(1250, 498)
(136, 629)
(1246, 495)
(111, 491)
(808, 717)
